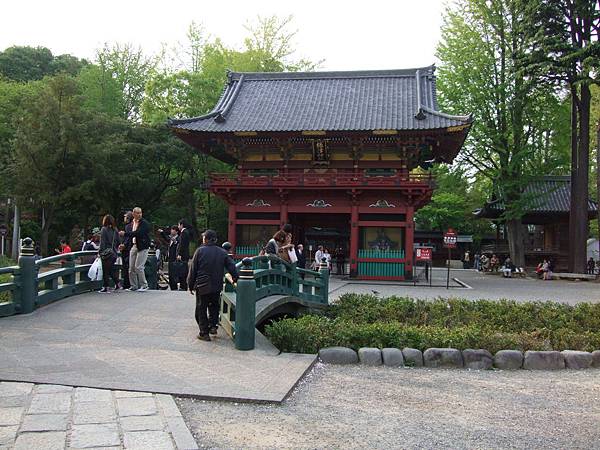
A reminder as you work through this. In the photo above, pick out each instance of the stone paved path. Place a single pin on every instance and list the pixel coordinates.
(57, 417)
(140, 342)
(480, 286)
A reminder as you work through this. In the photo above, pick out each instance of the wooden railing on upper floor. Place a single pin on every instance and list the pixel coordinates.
(329, 178)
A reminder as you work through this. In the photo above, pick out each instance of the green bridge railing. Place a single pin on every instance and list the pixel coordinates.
(262, 277)
(35, 283)
(32, 287)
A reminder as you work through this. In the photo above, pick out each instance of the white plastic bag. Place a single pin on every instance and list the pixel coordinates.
(292, 255)
(95, 272)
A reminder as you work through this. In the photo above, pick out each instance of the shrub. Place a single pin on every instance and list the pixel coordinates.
(503, 315)
(309, 333)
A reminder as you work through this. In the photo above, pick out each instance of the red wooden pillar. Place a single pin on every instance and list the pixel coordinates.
(409, 242)
(283, 213)
(354, 241)
(231, 226)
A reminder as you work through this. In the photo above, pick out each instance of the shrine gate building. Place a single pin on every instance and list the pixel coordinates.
(342, 156)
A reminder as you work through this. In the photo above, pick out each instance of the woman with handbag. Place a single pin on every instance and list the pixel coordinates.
(109, 245)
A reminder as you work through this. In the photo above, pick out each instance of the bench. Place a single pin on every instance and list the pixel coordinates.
(572, 276)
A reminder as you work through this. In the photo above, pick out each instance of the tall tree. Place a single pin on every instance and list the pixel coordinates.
(482, 43)
(51, 158)
(566, 52)
(34, 63)
(131, 69)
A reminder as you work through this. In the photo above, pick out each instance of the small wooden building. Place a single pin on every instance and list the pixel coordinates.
(342, 156)
(546, 221)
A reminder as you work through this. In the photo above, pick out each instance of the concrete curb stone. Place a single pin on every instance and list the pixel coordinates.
(338, 355)
(577, 360)
(543, 360)
(392, 357)
(412, 357)
(508, 359)
(443, 358)
(479, 359)
(369, 356)
(596, 359)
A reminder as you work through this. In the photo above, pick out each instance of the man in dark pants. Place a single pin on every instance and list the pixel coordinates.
(124, 248)
(174, 269)
(183, 252)
(211, 260)
(340, 259)
(301, 258)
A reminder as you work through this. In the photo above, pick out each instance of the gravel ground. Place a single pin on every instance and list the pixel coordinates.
(355, 407)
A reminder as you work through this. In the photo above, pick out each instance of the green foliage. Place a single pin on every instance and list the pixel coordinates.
(5, 262)
(101, 92)
(34, 63)
(366, 321)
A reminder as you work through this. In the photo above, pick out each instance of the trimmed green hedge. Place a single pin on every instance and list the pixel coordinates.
(367, 321)
(502, 315)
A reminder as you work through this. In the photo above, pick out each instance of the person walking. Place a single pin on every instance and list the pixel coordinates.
(205, 280)
(318, 257)
(301, 257)
(173, 264)
(340, 259)
(183, 252)
(140, 242)
(109, 245)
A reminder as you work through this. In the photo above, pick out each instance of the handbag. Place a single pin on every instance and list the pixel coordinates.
(109, 253)
(202, 285)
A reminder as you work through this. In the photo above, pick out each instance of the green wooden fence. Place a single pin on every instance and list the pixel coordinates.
(379, 267)
(252, 250)
(381, 254)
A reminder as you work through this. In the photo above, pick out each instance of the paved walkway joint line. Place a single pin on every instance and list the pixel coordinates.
(58, 417)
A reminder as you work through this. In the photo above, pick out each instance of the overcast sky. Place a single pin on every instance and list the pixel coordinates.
(348, 35)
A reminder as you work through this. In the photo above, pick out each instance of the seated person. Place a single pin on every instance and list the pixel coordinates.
(494, 263)
(508, 268)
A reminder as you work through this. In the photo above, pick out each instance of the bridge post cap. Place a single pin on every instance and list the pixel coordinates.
(226, 246)
(247, 263)
(27, 247)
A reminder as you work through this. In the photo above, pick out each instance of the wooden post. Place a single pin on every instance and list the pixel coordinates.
(28, 277)
(245, 307)
(231, 226)
(409, 243)
(354, 241)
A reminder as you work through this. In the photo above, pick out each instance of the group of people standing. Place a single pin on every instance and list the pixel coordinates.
(131, 244)
(281, 245)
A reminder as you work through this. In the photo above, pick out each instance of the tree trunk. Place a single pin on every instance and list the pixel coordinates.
(516, 248)
(598, 179)
(580, 205)
(45, 232)
(574, 173)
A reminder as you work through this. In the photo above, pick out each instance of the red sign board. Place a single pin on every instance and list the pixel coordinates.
(423, 254)
(450, 238)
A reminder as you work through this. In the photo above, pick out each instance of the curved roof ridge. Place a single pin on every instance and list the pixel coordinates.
(250, 76)
(467, 118)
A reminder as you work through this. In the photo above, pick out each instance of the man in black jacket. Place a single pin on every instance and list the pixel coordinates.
(125, 248)
(183, 251)
(174, 269)
(140, 242)
(210, 260)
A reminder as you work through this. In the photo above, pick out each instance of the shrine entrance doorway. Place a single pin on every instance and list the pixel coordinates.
(326, 229)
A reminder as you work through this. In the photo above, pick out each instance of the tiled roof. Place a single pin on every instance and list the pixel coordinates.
(326, 101)
(550, 194)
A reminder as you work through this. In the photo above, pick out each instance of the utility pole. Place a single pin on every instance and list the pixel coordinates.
(16, 232)
(598, 181)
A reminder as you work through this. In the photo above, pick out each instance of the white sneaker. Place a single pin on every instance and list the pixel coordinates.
(142, 289)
